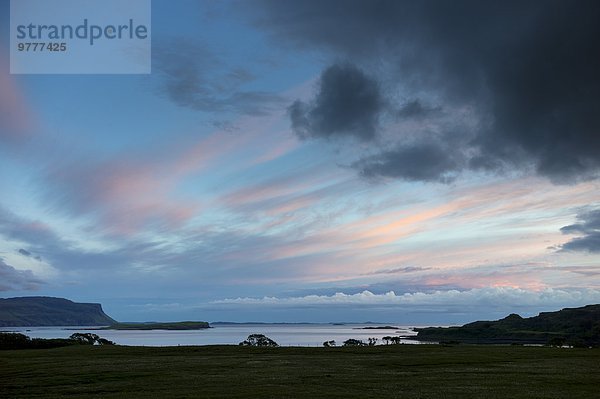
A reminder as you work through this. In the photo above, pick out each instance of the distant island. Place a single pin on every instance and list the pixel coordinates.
(48, 311)
(570, 326)
(378, 328)
(181, 325)
(261, 323)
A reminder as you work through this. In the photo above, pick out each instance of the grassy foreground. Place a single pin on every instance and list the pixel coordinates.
(398, 371)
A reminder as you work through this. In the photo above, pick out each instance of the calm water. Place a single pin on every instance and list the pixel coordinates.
(283, 334)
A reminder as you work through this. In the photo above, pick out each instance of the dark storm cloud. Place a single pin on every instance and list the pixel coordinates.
(588, 227)
(418, 162)
(530, 70)
(12, 279)
(348, 102)
(415, 109)
(193, 77)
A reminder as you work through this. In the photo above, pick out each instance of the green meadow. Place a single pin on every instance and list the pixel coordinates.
(394, 371)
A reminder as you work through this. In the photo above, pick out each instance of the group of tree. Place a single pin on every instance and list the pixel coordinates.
(22, 341)
(392, 340)
(354, 342)
(359, 342)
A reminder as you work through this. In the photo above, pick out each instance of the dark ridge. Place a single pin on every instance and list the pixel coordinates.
(49, 311)
(570, 326)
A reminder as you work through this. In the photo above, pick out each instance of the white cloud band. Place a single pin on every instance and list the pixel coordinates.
(475, 297)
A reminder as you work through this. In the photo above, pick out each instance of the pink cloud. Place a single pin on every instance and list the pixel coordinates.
(448, 236)
(277, 151)
(513, 279)
(130, 194)
(15, 115)
(278, 193)
(126, 195)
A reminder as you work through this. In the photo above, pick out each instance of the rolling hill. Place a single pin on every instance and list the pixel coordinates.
(572, 326)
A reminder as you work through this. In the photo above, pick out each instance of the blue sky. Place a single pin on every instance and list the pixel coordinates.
(295, 161)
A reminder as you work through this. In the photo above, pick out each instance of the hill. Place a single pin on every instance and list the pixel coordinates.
(573, 326)
(49, 311)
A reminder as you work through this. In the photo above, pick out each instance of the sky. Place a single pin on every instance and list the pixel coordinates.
(427, 162)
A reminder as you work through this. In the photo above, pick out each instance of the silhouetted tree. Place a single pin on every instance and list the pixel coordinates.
(14, 341)
(329, 344)
(21, 341)
(391, 340)
(354, 342)
(258, 340)
(89, 339)
(373, 341)
(104, 341)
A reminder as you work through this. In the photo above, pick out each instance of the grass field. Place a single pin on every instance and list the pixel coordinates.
(399, 371)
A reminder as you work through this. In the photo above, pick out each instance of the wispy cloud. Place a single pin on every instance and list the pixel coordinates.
(398, 270)
(196, 77)
(130, 192)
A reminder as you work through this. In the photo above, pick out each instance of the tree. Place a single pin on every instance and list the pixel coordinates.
(354, 342)
(104, 341)
(373, 341)
(89, 339)
(258, 340)
(20, 341)
(391, 340)
(14, 341)
(329, 344)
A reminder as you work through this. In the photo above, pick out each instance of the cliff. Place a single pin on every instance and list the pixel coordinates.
(49, 311)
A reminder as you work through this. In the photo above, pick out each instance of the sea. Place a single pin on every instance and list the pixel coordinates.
(231, 334)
